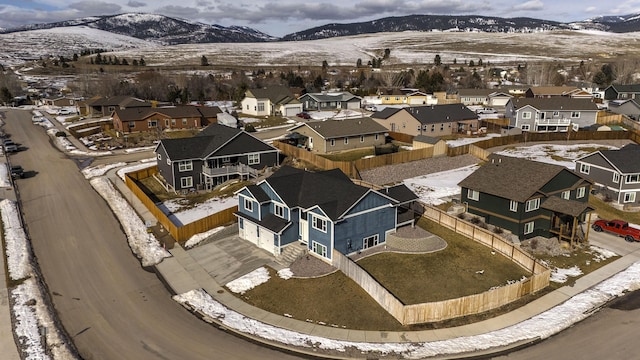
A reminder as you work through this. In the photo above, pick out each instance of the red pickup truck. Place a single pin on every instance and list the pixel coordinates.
(618, 227)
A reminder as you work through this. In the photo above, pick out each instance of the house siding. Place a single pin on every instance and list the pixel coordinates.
(369, 201)
(353, 230)
(401, 122)
(552, 123)
(601, 172)
(323, 238)
(353, 143)
(255, 210)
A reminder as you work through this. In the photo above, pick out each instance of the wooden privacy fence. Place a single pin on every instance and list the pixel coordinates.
(179, 233)
(463, 306)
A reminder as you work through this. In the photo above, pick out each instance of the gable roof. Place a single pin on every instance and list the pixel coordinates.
(331, 190)
(511, 178)
(275, 94)
(553, 90)
(331, 96)
(122, 101)
(385, 113)
(441, 113)
(215, 138)
(565, 206)
(344, 127)
(625, 88)
(173, 112)
(556, 103)
(625, 159)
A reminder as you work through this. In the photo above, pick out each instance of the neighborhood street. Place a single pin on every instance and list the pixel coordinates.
(110, 306)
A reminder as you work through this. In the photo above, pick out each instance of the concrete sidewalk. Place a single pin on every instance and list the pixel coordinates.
(183, 273)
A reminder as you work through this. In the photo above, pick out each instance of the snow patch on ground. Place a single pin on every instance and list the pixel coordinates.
(132, 168)
(197, 238)
(180, 215)
(432, 188)
(552, 153)
(17, 246)
(285, 273)
(99, 170)
(249, 281)
(559, 275)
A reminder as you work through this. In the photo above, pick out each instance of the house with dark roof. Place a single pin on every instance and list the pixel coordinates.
(485, 97)
(615, 173)
(622, 92)
(434, 120)
(528, 198)
(324, 210)
(163, 118)
(628, 107)
(555, 114)
(327, 136)
(330, 101)
(217, 154)
(104, 106)
(557, 91)
(273, 100)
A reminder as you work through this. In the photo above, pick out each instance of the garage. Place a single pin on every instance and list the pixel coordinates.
(258, 236)
(292, 110)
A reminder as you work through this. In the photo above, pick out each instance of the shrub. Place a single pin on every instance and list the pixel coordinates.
(475, 220)
(249, 128)
(461, 216)
(498, 230)
(61, 134)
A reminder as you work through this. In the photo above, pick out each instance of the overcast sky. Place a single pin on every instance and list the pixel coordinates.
(280, 17)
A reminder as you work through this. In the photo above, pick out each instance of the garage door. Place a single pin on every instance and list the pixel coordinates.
(259, 237)
(291, 111)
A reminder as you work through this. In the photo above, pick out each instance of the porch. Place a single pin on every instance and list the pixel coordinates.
(212, 176)
(568, 218)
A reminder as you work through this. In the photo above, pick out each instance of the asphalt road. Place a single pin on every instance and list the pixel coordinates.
(108, 304)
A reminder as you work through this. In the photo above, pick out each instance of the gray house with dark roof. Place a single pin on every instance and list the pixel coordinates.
(338, 135)
(330, 101)
(528, 198)
(615, 173)
(324, 210)
(628, 107)
(217, 154)
(433, 120)
(622, 92)
(555, 114)
(104, 106)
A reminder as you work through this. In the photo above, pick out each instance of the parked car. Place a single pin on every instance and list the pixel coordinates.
(17, 171)
(618, 227)
(371, 108)
(304, 115)
(10, 148)
(486, 111)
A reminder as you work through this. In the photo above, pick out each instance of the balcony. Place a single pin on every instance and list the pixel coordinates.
(555, 122)
(238, 169)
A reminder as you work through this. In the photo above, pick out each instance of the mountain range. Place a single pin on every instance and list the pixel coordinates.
(171, 31)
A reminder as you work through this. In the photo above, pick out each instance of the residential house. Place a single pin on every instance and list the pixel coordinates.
(217, 154)
(557, 91)
(528, 198)
(485, 97)
(324, 210)
(105, 106)
(339, 134)
(330, 101)
(224, 118)
(434, 120)
(407, 97)
(163, 118)
(622, 92)
(615, 173)
(274, 100)
(60, 101)
(556, 114)
(627, 107)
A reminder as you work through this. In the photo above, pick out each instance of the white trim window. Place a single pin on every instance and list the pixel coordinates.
(159, 156)
(319, 249)
(248, 204)
(168, 161)
(533, 204)
(473, 194)
(253, 159)
(632, 179)
(332, 142)
(186, 182)
(575, 114)
(346, 140)
(152, 124)
(616, 177)
(186, 165)
(580, 192)
(528, 227)
(361, 138)
(566, 195)
(370, 241)
(513, 206)
(319, 224)
(629, 197)
(525, 127)
(278, 210)
(526, 114)
(585, 168)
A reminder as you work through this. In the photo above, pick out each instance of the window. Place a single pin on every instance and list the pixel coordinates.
(226, 159)
(532, 204)
(152, 123)
(433, 127)
(319, 224)
(132, 124)
(584, 168)
(473, 194)
(526, 114)
(253, 159)
(346, 140)
(173, 121)
(166, 122)
(575, 114)
(419, 127)
(370, 241)
(377, 135)
(168, 161)
(616, 178)
(633, 179)
(556, 113)
(629, 197)
(361, 138)
(526, 127)
(513, 205)
(424, 127)
(186, 165)
(580, 192)
(332, 142)
(241, 223)
(441, 127)
(319, 249)
(186, 182)
(184, 121)
(248, 205)
(528, 227)
(278, 210)
(566, 195)
(159, 157)
(260, 106)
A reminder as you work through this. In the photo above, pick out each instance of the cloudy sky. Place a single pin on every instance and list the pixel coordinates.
(280, 17)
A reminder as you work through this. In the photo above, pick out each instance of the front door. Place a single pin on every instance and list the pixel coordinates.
(304, 228)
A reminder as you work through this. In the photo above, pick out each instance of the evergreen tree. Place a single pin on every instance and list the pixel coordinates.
(359, 63)
(5, 95)
(204, 61)
(135, 62)
(141, 62)
(387, 53)
(436, 60)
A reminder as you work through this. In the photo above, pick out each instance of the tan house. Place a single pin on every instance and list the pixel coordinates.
(433, 121)
(405, 97)
(557, 91)
(163, 118)
(338, 135)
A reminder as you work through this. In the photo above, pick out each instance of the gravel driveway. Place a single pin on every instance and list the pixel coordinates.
(392, 174)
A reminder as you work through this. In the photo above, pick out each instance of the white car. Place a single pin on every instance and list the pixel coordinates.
(371, 108)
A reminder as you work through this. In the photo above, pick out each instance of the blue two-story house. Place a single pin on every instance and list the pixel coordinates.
(324, 210)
